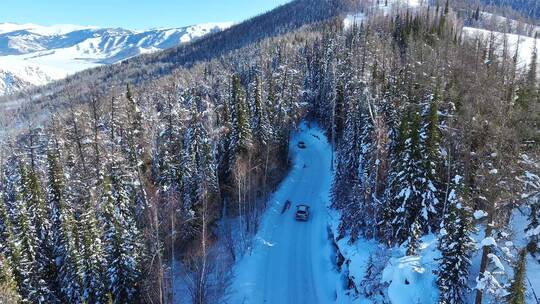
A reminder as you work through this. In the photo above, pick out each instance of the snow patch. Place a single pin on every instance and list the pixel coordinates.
(489, 241)
(479, 214)
(411, 279)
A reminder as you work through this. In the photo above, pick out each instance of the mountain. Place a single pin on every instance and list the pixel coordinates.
(149, 67)
(34, 55)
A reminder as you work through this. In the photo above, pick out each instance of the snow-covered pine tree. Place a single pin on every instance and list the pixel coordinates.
(6, 229)
(63, 233)
(189, 184)
(138, 156)
(407, 221)
(346, 167)
(8, 286)
(30, 226)
(46, 268)
(10, 256)
(241, 132)
(93, 261)
(456, 246)
(431, 152)
(199, 170)
(262, 130)
(169, 142)
(121, 239)
(366, 169)
(391, 206)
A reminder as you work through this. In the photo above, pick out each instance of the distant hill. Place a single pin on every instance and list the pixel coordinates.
(35, 55)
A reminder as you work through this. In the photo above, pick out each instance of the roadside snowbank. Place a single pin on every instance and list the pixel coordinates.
(412, 279)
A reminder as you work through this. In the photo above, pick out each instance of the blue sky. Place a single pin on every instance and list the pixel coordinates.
(134, 14)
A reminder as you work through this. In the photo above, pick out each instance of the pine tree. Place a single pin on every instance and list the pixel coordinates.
(28, 214)
(367, 171)
(240, 120)
(392, 207)
(93, 258)
(199, 171)
(429, 182)
(8, 286)
(46, 268)
(169, 143)
(262, 130)
(408, 220)
(517, 289)
(528, 102)
(456, 246)
(347, 159)
(10, 259)
(63, 233)
(121, 239)
(138, 157)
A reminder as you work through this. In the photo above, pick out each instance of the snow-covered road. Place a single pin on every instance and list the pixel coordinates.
(291, 261)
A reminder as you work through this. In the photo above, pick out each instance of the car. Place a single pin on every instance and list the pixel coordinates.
(302, 213)
(301, 145)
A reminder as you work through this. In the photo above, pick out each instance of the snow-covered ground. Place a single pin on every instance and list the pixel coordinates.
(525, 45)
(376, 7)
(402, 279)
(291, 261)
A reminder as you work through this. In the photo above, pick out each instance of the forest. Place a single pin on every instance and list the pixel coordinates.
(429, 128)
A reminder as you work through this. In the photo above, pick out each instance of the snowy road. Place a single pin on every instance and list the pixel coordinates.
(291, 261)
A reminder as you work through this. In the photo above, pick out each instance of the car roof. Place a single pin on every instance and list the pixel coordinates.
(302, 207)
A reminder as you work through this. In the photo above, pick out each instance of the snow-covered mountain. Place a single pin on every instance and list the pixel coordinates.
(34, 55)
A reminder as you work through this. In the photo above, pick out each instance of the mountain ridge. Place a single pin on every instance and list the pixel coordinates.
(35, 55)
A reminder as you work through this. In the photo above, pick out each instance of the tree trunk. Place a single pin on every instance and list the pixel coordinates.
(484, 262)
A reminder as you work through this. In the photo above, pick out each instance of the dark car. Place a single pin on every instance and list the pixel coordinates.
(301, 145)
(302, 213)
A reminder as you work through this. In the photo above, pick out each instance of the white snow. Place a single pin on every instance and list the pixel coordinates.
(533, 232)
(380, 7)
(353, 19)
(489, 241)
(412, 278)
(479, 214)
(298, 267)
(496, 261)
